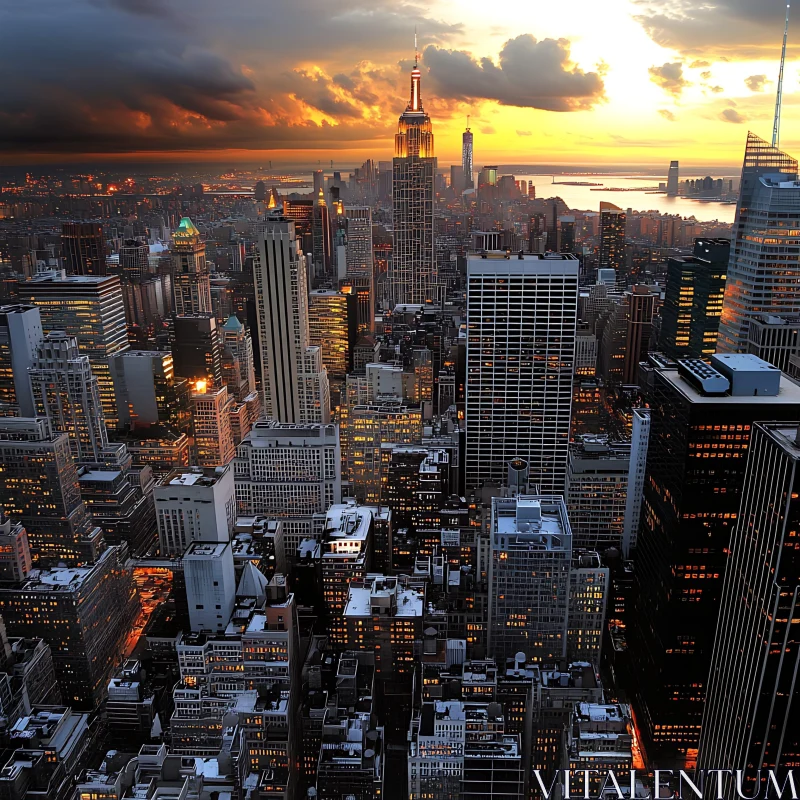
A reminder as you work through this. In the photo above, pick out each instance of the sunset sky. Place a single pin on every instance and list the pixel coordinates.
(547, 81)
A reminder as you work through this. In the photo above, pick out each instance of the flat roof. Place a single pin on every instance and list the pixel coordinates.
(788, 393)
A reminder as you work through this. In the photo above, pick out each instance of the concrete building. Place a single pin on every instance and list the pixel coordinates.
(91, 610)
(521, 322)
(529, 578)
(290, 471)
(190, 274)
(83, 248)
(20, 334)
(599, 737)
(589, 583)
(194, 505)
(640, 440)
(295, 383)
(413, 277)
(597, 491)
(211, 417)
(210, 585)
(774, 339)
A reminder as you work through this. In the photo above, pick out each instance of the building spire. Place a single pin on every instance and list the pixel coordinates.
(468, 121)
(776, 128)
(415, 103)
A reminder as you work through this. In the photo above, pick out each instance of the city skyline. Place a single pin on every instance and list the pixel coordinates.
(543, 85)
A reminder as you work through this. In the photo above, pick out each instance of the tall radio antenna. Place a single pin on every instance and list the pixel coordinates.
(776, 128)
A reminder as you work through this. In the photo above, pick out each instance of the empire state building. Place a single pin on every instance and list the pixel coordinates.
(413, 274)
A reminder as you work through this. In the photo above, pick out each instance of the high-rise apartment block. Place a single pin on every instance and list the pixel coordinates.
(764, 273)
(521, 323)
(693, 300)
(747, 720)
(20, 334)
(190, 275)
(295, 383)
(90, 309)
(413, 276)
(83, 248)
(701, 419)
(194, 505)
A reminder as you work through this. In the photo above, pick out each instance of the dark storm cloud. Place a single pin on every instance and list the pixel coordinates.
(743, 29)
(669, 77)
(530, 74)
(125, 75)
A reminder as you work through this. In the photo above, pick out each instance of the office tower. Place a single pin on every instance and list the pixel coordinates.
(529, 578)
(748, 718)
(294, 380)
(385, 615)
(521, 322)
(291, 471)
(607, 277)
(190, 275)
(39, 488)
(90, 612)
(457, 179)
(566, 228)
(301, 212)
(194, 505)
(672, 179)
(210, 585)
(612, 237)
(585, 352)
(83, 248)
(368, 428)
(134, 260)
(211, 417)
(588, 595)
(640, 304)
(693, 300)
(15, 551)
(640, 442)
(329, 330)
(763, 274)
(467, 164)
(197, 349)
(65, 392)
(359, 264)
(597, 490)
(148, 393)
(236, 338)
(319, 181)
(321, 239)
(90, 309)
(700, 423)
(413, 277)
(774, 339)
(20, 334)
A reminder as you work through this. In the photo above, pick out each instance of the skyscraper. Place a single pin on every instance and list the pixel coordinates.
(529, 578)
(672, 179)
(747, 723)
(701, 418)
(197, 350)
(236, 338)
(294, 380)
(83, 248)
(134, 259)
(764, 270)
(693, 300)
(66, 392)
(612, 237)
(91, 309)
(328, 327)
(322, 242)
(190, 280)
(20, 334)
(641, 305)
(213, 438)
(39, 487)
(413, 276)
(466, 158)
(521, 322)
(359, 272)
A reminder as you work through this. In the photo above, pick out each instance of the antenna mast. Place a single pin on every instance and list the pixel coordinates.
(776, 128)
